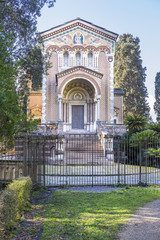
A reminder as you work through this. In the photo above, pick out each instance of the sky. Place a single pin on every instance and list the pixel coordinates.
(141, 18)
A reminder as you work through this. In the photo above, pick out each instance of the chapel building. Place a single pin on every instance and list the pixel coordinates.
(78, 92)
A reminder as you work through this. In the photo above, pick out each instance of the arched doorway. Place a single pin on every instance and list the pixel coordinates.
(78, 106)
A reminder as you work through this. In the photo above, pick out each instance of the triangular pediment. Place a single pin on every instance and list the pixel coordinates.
(79, 69)
(78, 32)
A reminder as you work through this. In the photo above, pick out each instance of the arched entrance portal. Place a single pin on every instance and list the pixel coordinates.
(79, 106)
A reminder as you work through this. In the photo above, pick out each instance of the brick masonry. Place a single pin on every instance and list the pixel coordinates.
(79, 37)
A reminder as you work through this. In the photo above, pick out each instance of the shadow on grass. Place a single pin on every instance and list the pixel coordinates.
(86, 215)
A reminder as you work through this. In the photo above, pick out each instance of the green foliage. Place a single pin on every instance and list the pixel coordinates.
(154, 152)
(33, 65)
(10, 110)
(8, 210)
(13, 201)
(154, 126)
(130, 75)
(12, 117)
(157, 96)
(137, 144)
(22, 187)
(145, 138)
(18, 20)
(135, 123)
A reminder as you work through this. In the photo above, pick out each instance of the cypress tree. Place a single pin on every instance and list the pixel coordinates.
(130, 75)
(157, 96)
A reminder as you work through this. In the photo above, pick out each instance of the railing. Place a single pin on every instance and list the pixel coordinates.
(88, 159)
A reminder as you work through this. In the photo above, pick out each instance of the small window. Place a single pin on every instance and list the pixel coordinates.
(115, 120)
(90, 59)
(78, 59)
(66, 59)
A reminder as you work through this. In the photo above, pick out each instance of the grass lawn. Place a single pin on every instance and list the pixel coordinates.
(87, 215)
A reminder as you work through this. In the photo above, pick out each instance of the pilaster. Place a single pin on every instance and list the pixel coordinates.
(44, 99)
(110, 58)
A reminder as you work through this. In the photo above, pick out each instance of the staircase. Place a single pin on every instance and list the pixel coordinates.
(83, 150)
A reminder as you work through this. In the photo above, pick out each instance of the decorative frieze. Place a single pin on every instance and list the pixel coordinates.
(77, 48)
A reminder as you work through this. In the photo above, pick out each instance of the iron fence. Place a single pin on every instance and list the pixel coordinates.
(81, 159)
(11, 161)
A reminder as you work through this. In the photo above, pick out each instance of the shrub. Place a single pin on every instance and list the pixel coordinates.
(13, 202)
(135, 123)
(22, 187)
(8, 210)
(146, 138)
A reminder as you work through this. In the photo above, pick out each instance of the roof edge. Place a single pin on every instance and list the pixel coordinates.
(80, 19)
(118, 91)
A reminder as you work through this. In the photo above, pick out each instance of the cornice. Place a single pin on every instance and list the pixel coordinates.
(77, 24)
(35, 94)
(79, 68)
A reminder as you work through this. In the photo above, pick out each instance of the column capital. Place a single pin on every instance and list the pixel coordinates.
(59, 97)
(98, 97)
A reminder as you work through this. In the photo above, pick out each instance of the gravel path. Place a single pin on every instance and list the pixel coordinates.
(144, 225)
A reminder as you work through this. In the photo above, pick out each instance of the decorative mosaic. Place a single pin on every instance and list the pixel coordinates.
(78, 37)
(36, 111)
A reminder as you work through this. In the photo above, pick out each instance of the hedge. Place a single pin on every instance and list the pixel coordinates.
(14, 200)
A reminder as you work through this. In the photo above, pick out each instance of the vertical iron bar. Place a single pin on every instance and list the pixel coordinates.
(140, 162)
(44, 182)
(118, 162)
(25, 154)
(124, 160)
(92, 161)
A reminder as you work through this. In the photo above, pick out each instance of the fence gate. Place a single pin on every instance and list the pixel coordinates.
(75, 159)
(86, 159)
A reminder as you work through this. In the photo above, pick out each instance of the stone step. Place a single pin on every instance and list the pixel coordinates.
(83, 148)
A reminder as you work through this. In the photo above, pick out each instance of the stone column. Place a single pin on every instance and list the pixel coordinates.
(98, 107)
(59, 107)
(60, 61)
(64, 112)
(111, 63)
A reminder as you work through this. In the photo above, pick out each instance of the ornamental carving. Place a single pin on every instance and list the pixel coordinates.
(36, 111)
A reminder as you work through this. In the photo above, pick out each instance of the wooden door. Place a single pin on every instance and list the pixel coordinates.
(77, 117)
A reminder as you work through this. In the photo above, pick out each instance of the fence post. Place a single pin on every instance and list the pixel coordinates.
(109, 152)
(31, 154)
(25, 155)
(35, 157)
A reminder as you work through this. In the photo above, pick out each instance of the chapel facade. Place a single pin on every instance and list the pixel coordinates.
(78, 92)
